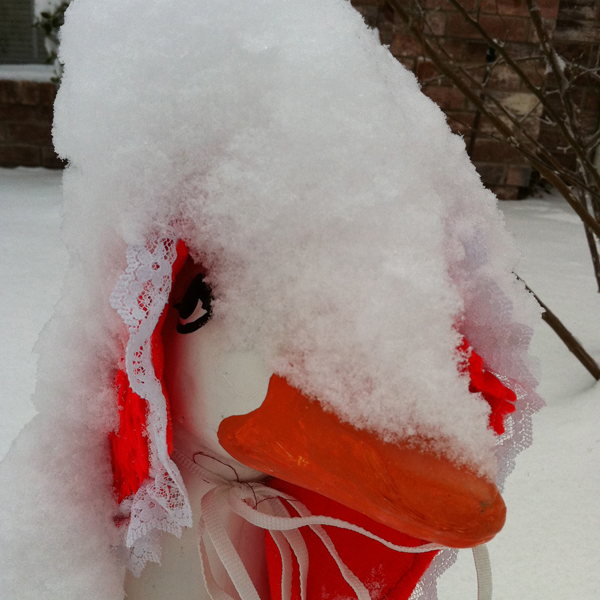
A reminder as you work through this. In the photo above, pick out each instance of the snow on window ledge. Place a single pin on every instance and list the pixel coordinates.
(39, 73)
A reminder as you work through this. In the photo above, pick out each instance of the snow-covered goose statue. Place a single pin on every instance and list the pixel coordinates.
(364, 343)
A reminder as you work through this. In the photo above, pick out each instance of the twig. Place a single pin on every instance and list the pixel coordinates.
(532, 88)
(490, 58)
(567, 337)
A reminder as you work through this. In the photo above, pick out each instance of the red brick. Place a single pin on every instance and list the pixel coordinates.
(502, 77)
(486, 127)
(45, 114)
(505, 192)
(518, 8)
(20, 156)
(407, 63)
(426, 70)
(521, 50)
(21, 113)
(50, 160)
(567, 160)
(457, 26)
(436, 22)
(18, 112)
(515, 8)
(477, 72)
(459, 128)
(535, 70)
(463, 119)
(30, 92)
(482, 6)
(405, 45)
(491, 174)
(47, 93)
(445, 97)
(513, 29)
(10, 92)
(518, 175)
(30, 133)
(455, 48)
(437, 4)
(549, 8)
(551, 137)
(489, 7)
(493, 151)
(474, 52)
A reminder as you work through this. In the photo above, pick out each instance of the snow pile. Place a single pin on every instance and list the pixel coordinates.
(556, 265)
(346, 234)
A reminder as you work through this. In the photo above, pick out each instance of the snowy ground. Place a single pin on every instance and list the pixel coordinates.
(548, 549)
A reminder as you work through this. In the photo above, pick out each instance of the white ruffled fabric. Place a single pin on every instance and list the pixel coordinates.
(161, 503)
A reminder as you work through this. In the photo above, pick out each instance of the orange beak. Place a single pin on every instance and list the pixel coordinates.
(401, 485)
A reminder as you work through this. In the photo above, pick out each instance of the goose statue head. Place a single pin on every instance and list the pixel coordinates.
(229, 404)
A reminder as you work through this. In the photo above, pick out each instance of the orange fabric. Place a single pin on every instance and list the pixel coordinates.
(387, 574)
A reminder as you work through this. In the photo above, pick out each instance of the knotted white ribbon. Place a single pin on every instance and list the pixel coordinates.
(262, 507)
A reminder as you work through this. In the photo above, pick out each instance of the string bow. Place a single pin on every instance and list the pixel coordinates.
(263, 507)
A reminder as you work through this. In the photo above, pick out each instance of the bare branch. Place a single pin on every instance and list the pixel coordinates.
(536, 147)
(554, 61)
(552, 175)
(499, 47)
(568, 338)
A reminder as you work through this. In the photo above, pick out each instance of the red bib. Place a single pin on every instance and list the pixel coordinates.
(387, 574)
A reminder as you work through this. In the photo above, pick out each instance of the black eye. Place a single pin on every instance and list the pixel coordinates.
(196, 307)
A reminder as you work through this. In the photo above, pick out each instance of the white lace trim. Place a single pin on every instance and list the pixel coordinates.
(503, 343)
(140, 296)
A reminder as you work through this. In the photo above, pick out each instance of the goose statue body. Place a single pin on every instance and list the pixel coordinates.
(290, 360)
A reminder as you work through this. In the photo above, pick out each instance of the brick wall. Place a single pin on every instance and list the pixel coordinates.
(26, 107)
(26, 124)
(502, 169)
(577, 39)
